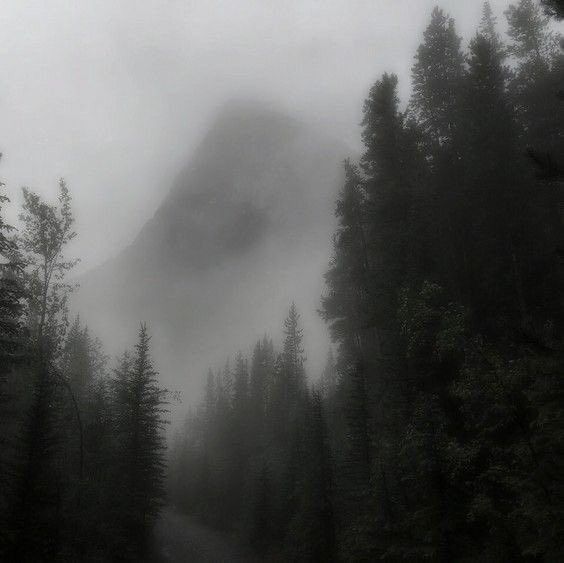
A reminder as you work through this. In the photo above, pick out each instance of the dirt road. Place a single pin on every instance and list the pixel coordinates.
(181, 540)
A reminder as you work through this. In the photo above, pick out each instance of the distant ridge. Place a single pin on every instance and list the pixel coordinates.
(249, 214)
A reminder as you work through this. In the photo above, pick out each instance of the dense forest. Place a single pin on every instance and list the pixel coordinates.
(82, 464)
(436, 430)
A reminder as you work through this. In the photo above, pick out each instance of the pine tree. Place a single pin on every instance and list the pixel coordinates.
(442, 437)
(293, 357)
(554, 8)
(141, 412)
(210, 400)
(312, 529)
(537, 85)
(346, 279)
(534, 44)
(37, 500)
(241, 383)
(261, 380)
(12, 353)
(328, 381)
(75, 361)
(389, 163)
(239, 438)
(495, 189)
(225, 389)
(488, 26)
(86, 451)
(346, 308)
(11, 294)
(436, 82)
(437, 79)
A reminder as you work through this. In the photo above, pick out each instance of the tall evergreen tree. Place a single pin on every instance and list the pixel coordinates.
(141, 410)
(241, 383)
(346, 308)
(11, 294)
(328, 380)
(554, 8)
(37, 502)
(436, 81)
(444, 302)
(262, 365)
(12, 355)
(292, 355)
(537, 84)
(312, 529)
(495, 189)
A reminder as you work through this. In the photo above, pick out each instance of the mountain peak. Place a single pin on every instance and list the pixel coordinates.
(245, 139)
(242, 123)
(249, 110)
(252, 208)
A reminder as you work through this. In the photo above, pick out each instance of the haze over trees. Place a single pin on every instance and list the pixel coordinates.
(82, 452)
(435, 430)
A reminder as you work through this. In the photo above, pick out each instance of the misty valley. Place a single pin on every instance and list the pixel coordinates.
(316, 349)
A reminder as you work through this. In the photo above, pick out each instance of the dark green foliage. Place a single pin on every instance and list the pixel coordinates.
(536, 87)
(255, 458)
(140, 412)
(12, 352)
(436, 431)
(35, 524)
(312, 528)
(292, 357)
(438, 434)
(437, 82)
(66, 427)
(11, 293)
(554, 7)
(466, 326)
(329, 377)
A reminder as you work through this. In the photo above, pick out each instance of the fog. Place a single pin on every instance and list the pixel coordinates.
(316, 312)
(115, 96)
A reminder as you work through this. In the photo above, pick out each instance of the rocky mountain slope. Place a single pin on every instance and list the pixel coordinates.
(245, 230)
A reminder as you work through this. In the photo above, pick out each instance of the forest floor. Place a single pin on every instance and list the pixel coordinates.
(182, 540)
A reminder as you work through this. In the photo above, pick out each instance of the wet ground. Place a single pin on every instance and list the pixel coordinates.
(182, 540)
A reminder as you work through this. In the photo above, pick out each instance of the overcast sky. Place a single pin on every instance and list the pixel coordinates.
(114, 94)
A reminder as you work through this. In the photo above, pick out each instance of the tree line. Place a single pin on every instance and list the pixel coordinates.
(81, 446)
(436, 432)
